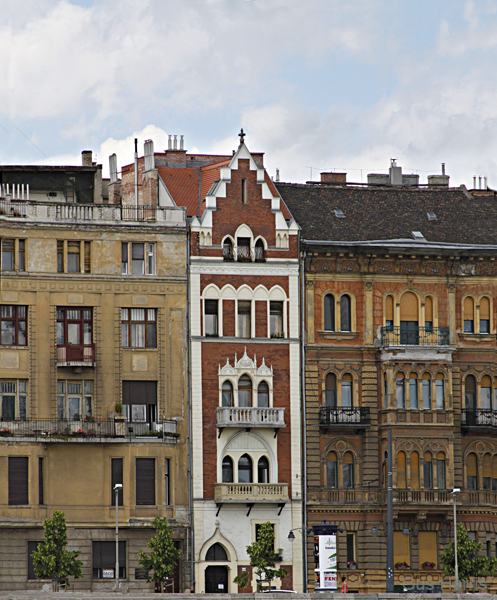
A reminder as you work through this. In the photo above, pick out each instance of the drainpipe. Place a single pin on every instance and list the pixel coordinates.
(136, 173)
(303, 404)
(189, 412)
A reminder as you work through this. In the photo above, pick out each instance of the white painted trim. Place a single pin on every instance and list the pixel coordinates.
(247, 269)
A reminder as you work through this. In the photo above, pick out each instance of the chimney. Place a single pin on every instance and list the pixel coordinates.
(169, 142)
(113, 167)
(181, 142)
(395, 173)
(149, 155)
(333, 177)
(277, 175)
(175, 147)
(439, 180)
(87, 158)
(174, 155)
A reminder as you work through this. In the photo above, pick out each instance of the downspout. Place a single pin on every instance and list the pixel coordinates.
(189, 413)
(136, 173)
(303, 405)
(199, 192)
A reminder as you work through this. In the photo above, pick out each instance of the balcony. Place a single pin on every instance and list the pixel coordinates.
(379, 496)
(76, 356)
(478, 419)
(418, 336)
(63, 430)
(251, 492)
(233, 416)
(357, 417)
(244, 254)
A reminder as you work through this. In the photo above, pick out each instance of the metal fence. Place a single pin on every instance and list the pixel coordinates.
(358, 415)
(418, 336)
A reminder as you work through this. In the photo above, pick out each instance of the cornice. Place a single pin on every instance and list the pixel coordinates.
(259, 269)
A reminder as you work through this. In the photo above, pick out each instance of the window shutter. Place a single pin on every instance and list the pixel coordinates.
(389, 308)
(409, 307)
(401, 547)
(468, 309)
(145, 481)
(18, 480)
(401, 470)
(471, 465)
(484, 309)
(137, 252)
(414, 471)
(124, 252)
(487, 466)
(427, 544)
(429, 309)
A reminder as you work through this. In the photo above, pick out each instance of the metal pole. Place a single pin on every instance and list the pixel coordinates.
(117, 487)
(390, 578)
(456, 570)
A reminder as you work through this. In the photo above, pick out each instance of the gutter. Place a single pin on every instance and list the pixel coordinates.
(189, 416)
(304, 422)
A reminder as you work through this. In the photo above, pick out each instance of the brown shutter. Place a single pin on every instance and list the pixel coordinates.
(401, 470)
(139, 392)
(414, 471)
(471, 466)
(18, 480)
(389, 308)
(429, 309)
(409, 307)
(145, 481)
(484, 309)
(487, 465)
(468, 309)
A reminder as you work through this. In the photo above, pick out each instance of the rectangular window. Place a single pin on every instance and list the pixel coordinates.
(104, 560)
(400, 393)
(413, 394)
(348, 475)
(276, 319)
(74, 400)
(145, 481)
(14, 325)
(75, 334)
(41, 499)
(244, 318)
(18, 481)
(13, 399)
(140, 401)
(244, 191)
(441, 474)
(257, 533)
(427, 547)
(350, 548)
(346, 387)
(489, 545)
(13, 254)
(141, 257)
(73, 256)
(211, 318)
(439, 394)
(427, 475)
(116, 477)
(331, 474)
(426, 394)
(167, 478)
(32, 547)
(139, 327)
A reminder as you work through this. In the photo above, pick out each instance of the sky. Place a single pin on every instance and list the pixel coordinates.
(317, 85)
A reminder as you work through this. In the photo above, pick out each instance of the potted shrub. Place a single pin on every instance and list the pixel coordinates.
(428, 566)
(120, 420)
(352, 564)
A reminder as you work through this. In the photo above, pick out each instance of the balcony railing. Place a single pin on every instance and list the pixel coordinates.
(364, 495)
(233, 416)
(244, 254)
(358, 416)
(419, 336)
(56, 430)
(479, 417)
(251, 492)
(78, 355)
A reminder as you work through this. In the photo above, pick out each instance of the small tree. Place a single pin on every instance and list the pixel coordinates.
(469, 563)
(163, 555)
(262, 559)
(51, 560)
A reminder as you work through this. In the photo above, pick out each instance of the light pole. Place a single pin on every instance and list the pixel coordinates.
(117, 488)
(455, 491)
(390, 576)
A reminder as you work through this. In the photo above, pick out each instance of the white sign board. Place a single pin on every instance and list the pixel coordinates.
(108, 573)
(327, 552)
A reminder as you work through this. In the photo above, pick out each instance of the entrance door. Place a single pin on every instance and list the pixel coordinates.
(216, 580)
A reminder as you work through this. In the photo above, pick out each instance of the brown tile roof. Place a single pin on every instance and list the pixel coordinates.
(183, 186)
(391, 213)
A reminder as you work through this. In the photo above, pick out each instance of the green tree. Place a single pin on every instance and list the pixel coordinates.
(163, 555)
(469, 563)
(51, 560)
(262, 559)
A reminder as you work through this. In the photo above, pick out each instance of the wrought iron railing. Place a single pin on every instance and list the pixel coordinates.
(478, 417)
(259, 254)
(243, 254)
(53, 430)
(419, 336)
(357, 416)
(228, 254)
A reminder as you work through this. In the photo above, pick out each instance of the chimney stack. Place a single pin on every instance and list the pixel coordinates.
(87, 158)
(333, 177)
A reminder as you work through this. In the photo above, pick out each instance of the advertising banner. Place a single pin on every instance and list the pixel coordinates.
(326, 561)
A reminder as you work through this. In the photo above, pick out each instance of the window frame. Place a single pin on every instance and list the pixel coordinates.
(18, 253)
(84, 254)
(83, 320)
(16, 320)
(145, 481)
(149, 252)
(213, 329)
(20, 412)
(111, 555)
(127, 323)
(85, 397)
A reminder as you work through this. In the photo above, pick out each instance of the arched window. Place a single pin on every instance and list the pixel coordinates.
(441, 484)
(329, 312)
(440, 392)
(263, 395)
(244, 391)
(227, 394)
(470, 392)
(413, 391)
(409, 322)
(487, 471)
(486, 393)
(331, 470)
(484, 315)
(428, 314)
(346, 391)
(263, 470)
(259, 251)
(245, 469)
(427, 471)
(216, 552)
(469, 315)
(330, 392)
(414, 471)
(471, 472)
(345, 316)
(400, 390)
(228, 254)
(389, 313)
(426, 384)
(227, 469)
(401, 470)
(494, 473)
(348, 470)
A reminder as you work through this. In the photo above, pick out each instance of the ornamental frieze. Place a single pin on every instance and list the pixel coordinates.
(347, 266)
(433, 268)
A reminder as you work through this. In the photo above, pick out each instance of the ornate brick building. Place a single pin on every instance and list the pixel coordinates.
(401, 334)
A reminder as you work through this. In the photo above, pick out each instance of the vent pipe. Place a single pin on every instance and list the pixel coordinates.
(474, 183)
(175, 142)
(277, 174)
(149, 155)
(136, 172)
(169, 142)
(443, 168)
(181, 142)
(113, 167)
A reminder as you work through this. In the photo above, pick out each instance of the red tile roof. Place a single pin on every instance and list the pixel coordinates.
(183, 186)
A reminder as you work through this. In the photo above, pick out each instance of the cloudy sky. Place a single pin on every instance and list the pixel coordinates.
(316, 84)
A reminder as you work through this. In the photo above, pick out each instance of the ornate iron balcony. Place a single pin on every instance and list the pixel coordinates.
(357, 416)
(478, 417)
(418, 336)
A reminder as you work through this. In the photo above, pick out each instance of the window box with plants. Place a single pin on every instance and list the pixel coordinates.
(351, 564)
(428, 566)
(402, 565)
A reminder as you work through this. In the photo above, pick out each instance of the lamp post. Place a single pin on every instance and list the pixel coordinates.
(455, 491)
(117, 488)
(390, 576)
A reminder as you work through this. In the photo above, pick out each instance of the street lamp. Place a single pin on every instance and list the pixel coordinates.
(455, 491)
(117, 488)
(291, 535)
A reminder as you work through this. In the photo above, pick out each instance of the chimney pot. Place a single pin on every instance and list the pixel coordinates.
(86, 158)
(169, 142)
(175, 142)
(181, 142)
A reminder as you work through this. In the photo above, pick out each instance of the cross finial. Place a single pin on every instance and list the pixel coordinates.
(241, 135)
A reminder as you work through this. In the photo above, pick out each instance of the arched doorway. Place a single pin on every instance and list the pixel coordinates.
(216, 580)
